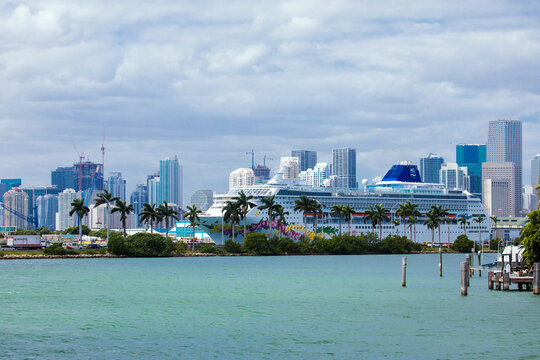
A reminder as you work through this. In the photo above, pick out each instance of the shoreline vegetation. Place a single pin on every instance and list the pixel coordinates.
(255, 244)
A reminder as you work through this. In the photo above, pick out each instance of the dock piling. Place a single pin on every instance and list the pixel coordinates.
(479, 264)
(440, 260)
(468, 262)
(404, 272)
(490, 280)
(506, 281)
(536, 279)
(464, 278)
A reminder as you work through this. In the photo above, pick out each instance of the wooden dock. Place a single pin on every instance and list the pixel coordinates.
(502, 281)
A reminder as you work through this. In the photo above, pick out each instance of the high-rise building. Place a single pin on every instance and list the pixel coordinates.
(16, 210)
(152, 186)
(315, 177)
(262, 174)
(47, 207)
(63, 219)
(34, 191)
(116, 185)
(535, 170)
(472, 156)
(290, 167)
(64, 178)
(88, 175)
(203, 199)
(241, 177)
(430, 167)
(499, 187)
(137, 199)
(454, 177)
(8, 184)
(505, 146)
(170, 181)
(307, 159)
(344, 167)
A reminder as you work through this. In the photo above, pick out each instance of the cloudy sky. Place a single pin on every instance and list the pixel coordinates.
(211, 80)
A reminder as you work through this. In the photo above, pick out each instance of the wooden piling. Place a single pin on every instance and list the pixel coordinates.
(536, 279)
(506, 281)
(440, 260)
(468, 262)
(464, 278)
(471, 264)
(490, 280)
(498, 280)
(404, 272)
(479, 264)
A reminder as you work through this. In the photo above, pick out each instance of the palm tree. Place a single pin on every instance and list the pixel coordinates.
(149, 215)
(377, 214)
(167, 213)
(106, 198)
(448, 221)
(432, 221)
(232, 213)
(440, 215)
(479, 219)
(338, 211)
(269, 203)
(193, 216)
(316, 207)
(405, 211)
(124, 210)
(304, 205)
(413, 220)
(463, 221)
(495, 221)
(281, 214)
(347, 215)
(78, 207)
(244, 205)
(396, 224)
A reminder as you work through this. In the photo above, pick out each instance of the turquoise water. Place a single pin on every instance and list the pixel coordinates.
(305, 307)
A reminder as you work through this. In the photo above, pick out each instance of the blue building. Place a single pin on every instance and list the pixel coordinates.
(170, 181)
(472, 156)
(64, 178)
(307, 159)
(430, 167)
(8, 184)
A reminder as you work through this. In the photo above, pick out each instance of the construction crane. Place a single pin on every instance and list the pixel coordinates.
(264, 160)
(81, 158)
(29, 219)
(103, 160)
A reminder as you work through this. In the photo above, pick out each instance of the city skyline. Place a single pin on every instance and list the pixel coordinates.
(211, 85)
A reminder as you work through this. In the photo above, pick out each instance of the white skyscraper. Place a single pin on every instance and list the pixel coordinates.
(499, 187)
(316, 176)
(241, 177)
(116, 185)
(290, 166)
(63, 219)
(454, 176)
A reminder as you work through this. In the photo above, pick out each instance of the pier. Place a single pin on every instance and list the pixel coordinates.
(501, 280)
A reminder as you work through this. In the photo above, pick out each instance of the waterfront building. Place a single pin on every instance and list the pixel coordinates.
(203, 199)
(64, 178)
(505, 146)
(88, 175)
(16, 209)
(152, 185)
(499, 187)
(454, 177)
(344, 168)
(116, 185)
(262, 174)
(47, 207)
(170, 181)
(472, 156)
(241, 177)
(315, 177)
(430, 166)
(63, 219)
(290, 167)
(307, 159)
(535, 170)
(138, 197)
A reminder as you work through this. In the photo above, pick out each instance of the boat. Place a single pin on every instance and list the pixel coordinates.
(401, 183)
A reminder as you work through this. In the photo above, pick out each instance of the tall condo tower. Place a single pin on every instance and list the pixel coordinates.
(472, 156)
(430, 167)
(307, 159)
(344, 167)
(116, 185)
(170, 181)
(504, 159)
(535, 170)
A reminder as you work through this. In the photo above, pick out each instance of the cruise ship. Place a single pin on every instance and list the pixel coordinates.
(401, 183)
